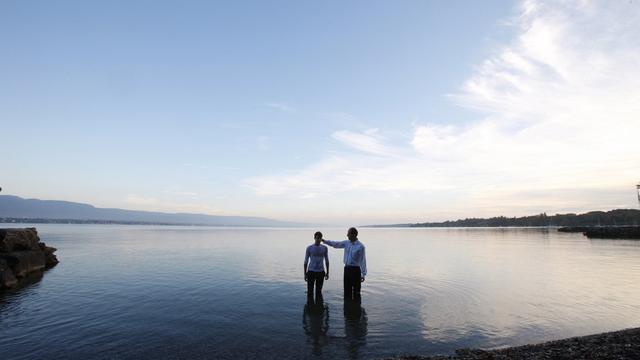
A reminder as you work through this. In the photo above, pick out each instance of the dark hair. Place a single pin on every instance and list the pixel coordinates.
(317, 234)
(354, 230)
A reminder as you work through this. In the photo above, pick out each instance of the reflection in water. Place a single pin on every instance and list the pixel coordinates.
(26, 283)
(315, 321)
(355, 328)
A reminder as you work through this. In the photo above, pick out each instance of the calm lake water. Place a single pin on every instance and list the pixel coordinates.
(152, 292)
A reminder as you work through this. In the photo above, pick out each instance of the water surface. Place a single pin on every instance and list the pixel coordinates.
(158, 292)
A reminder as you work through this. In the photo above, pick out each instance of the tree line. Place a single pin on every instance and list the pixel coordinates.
(616, 217)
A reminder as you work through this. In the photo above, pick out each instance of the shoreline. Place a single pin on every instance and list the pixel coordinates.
(620, 344)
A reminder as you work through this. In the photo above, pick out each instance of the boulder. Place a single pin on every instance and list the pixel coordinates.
(613, 232)
(24, 262)
(22, 254)
(19, 240)
(7, 279)
(50, 258)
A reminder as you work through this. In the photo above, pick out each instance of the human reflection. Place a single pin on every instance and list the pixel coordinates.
(315, 321)
(355, 327)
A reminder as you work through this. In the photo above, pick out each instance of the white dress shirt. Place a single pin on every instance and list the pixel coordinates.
(354, 254)
(315, 255)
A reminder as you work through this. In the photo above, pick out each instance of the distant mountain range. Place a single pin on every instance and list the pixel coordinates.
(616, 217)
(17, 209)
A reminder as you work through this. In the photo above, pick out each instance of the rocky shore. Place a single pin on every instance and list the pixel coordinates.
(22, 253)
(614, 232)
(574, 229)
(605, 232)
(622, 345)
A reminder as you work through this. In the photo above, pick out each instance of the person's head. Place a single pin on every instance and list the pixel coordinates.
(317, 237)
(352, 234)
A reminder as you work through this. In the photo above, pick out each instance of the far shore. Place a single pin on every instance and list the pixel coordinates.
(622, 344)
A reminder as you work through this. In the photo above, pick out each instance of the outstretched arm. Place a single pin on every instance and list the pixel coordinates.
(336, 244)
(306, 260)
(363, 265)
(326, 262)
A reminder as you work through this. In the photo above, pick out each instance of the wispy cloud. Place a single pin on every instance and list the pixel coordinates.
(370, 142)
(561, 110)
(305, 183)
(180, 193)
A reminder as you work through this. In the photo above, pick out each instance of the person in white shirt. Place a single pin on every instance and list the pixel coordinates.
(355, 264)
(314, 273)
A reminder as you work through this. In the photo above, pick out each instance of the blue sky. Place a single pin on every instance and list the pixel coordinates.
(332, 112)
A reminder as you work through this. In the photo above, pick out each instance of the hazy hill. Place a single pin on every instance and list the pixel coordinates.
(18, 208)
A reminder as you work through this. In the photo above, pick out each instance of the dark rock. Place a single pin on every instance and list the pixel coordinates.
(49, 256)
(614, 232)
(48, 249)
(19, 240)
(7, 279)
(24, 262)
(605, 232)
(22, 255)
(575, 229)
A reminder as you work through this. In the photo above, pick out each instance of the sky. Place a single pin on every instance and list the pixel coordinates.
(332, 112)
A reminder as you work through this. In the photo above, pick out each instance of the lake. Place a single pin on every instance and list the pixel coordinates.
(163, 292)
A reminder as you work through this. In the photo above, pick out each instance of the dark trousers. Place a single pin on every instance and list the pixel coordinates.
(315, 278)
(352, 283)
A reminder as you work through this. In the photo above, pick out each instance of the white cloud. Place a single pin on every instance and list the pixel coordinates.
(305, 183)
(180, 193)
(369, 142)
(561, 105)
